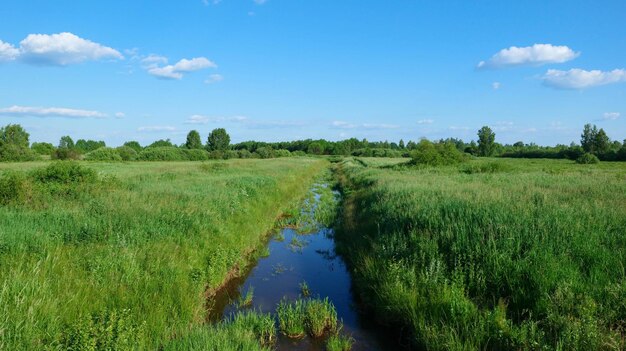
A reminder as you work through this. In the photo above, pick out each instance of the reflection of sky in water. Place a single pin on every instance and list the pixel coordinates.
(312, 261)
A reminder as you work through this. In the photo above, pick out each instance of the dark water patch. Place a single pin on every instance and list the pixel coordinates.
(296, 260)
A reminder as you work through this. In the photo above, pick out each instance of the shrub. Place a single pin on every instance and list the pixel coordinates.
(14, 187)
(43, 148)
(587, 159)
(438, 154)
(265, 152)
(195, 154)
(298, 153)
(228, 154)
(64, 172)
(243, 153)
(163, 153)
(282, 153)
(127, 153)
(65, 153)
(216, 155)
(15, 153)
(103, 154)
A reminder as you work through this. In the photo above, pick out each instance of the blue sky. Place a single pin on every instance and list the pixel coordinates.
(274, 70)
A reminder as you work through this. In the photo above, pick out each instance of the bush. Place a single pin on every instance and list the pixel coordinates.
(15, 153)
(126, 153)
(587, 159)
(196, 154)
(265, 152)
(243, 153)
(228, 154)
(298, 153)
(42, 148)
(103, 154)
(164, 153)
(438, 154)
(282, 153)
(65, 173)
(13, 188)
(64, 153)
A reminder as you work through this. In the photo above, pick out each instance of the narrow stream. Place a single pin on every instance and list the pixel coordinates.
(294, 258)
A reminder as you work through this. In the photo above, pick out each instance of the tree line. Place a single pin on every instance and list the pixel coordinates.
(15, 146)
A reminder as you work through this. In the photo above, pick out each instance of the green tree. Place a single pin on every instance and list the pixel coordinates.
(218, 140)
(588, 137)
(401, 144)
(315, 148)
(162, 143)
(14, 134)
(42, 148)
(134, 145)
(601, 142)
(66, 142)
(193, 140)
(486, 141)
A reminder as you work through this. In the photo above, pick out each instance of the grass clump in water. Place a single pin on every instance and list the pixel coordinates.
(291, 318)
(307, 316)
(246, 300)
(305, 291)
(338, 342)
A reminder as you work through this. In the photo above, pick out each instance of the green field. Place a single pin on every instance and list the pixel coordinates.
(490, 254)
(124, 257)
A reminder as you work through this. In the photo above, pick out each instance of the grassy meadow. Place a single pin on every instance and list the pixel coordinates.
(123, 255)
(490, 254)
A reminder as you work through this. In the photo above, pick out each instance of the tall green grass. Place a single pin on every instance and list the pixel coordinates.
(519, 255)
(127, 255)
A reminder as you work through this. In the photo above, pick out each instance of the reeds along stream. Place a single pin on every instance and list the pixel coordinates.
(302, 284)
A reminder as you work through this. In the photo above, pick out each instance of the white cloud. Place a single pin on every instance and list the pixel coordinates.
(346, 125)
(49, 112)
(459, 128)
(120, 115)
(63, 49)
(166, 72)
(214, 78)
(611, 116)
(153, 60)
(153, 64)
(8, 52)
(200, 119)
(537, 54)
(580, 79)
(496, 85)
(425, 121)
(156, 129)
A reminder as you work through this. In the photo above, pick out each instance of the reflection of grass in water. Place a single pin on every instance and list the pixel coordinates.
(297, 244)
(280, 237)
(278, 268)
(304, 289)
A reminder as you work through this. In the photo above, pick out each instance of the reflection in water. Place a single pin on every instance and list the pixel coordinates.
(296, 258)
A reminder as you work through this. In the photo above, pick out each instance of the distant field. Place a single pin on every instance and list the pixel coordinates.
(129, 254)
(491, 254)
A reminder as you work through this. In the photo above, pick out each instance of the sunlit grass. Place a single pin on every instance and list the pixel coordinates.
(492, 254)
(149, 239)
